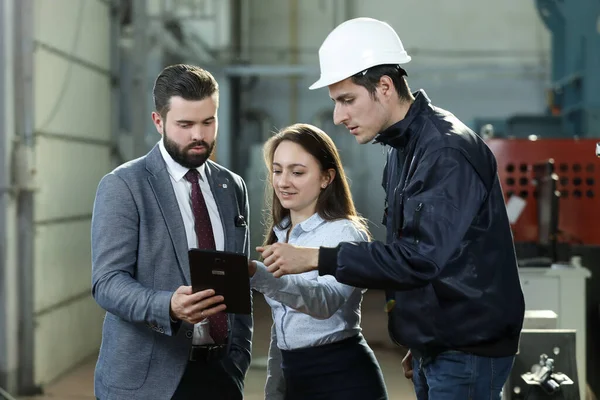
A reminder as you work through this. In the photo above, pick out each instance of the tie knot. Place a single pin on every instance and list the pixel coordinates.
(192, 176)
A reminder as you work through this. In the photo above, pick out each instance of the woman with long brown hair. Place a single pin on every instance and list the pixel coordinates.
(317, 349)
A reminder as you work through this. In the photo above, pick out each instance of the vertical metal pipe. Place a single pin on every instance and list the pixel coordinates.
(4, 367)
(225, 143)
(294, 57)
(235, 93)
(23, 69)
(115, 96)
(139, 73)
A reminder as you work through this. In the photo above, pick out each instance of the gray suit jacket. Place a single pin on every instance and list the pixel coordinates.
(139, 258)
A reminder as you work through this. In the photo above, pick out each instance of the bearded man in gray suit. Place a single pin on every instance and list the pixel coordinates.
(160, 340)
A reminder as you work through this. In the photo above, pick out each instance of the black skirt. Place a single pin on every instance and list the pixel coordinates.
(345, 370)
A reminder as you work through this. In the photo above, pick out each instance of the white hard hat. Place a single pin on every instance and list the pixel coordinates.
(355, 45)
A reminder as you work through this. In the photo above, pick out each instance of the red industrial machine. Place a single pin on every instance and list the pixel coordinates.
(578, 182)
(558, 181)
(560, 158)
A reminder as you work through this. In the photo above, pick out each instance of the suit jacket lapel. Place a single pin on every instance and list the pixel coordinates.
(222, 189)
(165, 196)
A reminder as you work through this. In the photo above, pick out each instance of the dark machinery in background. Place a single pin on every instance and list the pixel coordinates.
(544, 376)
(561, 221)
(574, 94)
(534, 376)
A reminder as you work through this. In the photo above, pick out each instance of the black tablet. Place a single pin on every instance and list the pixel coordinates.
(224, 272)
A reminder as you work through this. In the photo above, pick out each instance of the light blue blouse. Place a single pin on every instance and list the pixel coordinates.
(308, 310)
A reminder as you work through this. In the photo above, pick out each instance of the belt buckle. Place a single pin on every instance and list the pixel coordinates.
(212, 352)
(205, 353)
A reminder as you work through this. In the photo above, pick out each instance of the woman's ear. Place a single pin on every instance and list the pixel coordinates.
(328, 177)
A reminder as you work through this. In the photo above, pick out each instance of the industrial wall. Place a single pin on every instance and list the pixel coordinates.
(72, 85)
(473, 66)
(8, 271)
(457, 55)
(57, 118)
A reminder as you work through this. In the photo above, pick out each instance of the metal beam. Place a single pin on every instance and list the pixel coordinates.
(65, 302)
(23, 69)
(234, 90)
(75, 139)
(115, 67)
(4, 362)
(271, 70)
(226, 106)
(469, 70)
(64, 220)
(139, 71)
(76, 60)
(109, 3)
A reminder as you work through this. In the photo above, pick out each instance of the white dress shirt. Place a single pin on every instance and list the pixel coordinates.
(183, 193)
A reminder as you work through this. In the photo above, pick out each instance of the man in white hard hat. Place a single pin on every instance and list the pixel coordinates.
(448, 265)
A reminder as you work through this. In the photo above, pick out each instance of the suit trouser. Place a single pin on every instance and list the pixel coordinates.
(206, 380)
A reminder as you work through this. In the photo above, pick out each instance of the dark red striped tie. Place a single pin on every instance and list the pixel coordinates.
(206, 240)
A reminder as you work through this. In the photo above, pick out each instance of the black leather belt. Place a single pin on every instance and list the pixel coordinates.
(207, 353)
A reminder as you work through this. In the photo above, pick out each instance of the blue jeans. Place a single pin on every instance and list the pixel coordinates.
(457, 375)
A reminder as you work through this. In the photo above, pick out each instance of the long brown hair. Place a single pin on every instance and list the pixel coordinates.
(334, 202)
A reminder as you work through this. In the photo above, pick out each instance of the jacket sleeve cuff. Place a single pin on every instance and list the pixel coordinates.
(328, 260)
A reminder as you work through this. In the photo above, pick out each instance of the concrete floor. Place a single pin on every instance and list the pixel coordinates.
(78, 384)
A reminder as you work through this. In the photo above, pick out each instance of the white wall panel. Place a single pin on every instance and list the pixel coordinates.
(69, 174)
(432, 28)
(66, 337)
(62, 263)
(508, 26)
(269, 31)
(272, 24)
(84, 108)
(57, 23)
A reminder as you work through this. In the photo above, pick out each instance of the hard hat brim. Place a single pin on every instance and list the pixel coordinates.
(323, 81)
